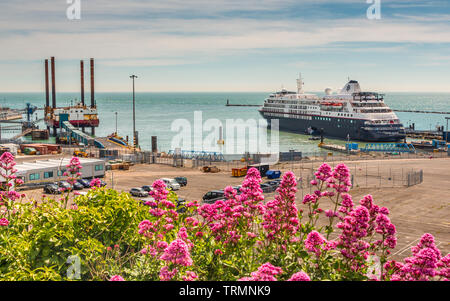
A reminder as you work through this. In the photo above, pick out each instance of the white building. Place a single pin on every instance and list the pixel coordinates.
(52, 170)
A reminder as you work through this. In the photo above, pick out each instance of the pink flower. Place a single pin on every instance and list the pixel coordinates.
(323, 173)
(300, 276)
(251, 235)
(309, 198)
(166, 275)
(116, 278)
(281, 214)
(265, 272)
(190, 276)
(178, 253)
(161, 245)
(313, 242)
(423, 265)
(95, 183)
(4, 222)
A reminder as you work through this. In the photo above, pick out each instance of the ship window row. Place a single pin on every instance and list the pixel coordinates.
(275, 110)
(376, 111)
(345, 121)
(341, 114)
(290, 116)
(368, 105)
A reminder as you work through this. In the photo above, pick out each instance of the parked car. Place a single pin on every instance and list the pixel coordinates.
(266, 187)
(147, 188)
(65, 185)
(238, 189)
(181, 180)
(51, 189)
(213, 195)
(181, 205)
(77, 186)
(86, 183)
(147, 200)
(139, 192)
(274, 183)
(171, 183)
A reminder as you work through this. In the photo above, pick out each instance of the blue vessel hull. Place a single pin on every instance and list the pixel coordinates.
(342, 128)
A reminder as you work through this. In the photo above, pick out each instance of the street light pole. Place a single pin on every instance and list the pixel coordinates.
(134, 113)
(446, 134)
(116, 123)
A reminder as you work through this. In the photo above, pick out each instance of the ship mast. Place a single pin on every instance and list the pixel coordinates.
(300, 84)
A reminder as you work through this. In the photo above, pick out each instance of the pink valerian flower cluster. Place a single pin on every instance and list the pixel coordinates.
(159, 192)
(162, 212)
(444, 268)
(300, 276)
(314, 241)
(231, 219)
(387, 230)
(7, 171)
(281, 214)
(4, 222)
(330, 183)
(190, 276)
(177, 253)
(425, 264)
(340, 179)
(73, 170)
(354, 229)
(323, 173)
(165, 274)
(251, 192)
(116, 278)
(346, 205)
(95, 183)
(265, 272)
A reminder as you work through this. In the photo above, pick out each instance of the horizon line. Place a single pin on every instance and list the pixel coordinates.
(261, 91)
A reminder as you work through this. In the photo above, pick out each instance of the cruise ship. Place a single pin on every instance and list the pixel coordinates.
(350, 114)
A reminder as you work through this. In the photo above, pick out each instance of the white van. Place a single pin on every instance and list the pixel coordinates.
(171, 183)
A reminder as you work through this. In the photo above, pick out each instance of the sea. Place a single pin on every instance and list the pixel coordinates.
(156, 114)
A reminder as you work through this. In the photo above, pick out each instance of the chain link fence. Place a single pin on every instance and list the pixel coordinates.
(366, 173)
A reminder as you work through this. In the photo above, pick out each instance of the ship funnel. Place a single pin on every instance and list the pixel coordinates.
(351, 87)
(300, 84)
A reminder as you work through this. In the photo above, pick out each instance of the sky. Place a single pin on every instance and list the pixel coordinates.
(227, 45)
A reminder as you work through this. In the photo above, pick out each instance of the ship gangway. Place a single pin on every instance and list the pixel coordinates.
(79, 136)
(389, 148)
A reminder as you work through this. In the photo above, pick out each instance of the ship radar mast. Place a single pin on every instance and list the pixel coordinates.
(300, 84)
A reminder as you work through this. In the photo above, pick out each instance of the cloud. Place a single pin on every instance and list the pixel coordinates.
(139, 33)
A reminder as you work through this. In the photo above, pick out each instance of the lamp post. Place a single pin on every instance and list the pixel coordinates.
(134, 113)
(446, 133)
(116, 122)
